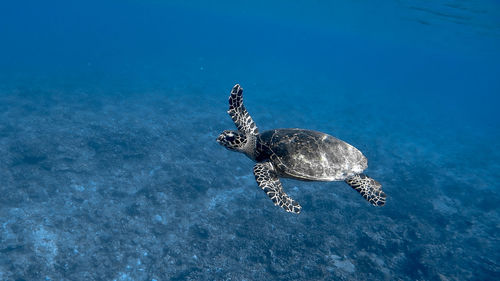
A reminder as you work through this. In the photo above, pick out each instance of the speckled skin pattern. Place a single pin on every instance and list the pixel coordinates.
(239, 114)
(369, 188)
(268, 180)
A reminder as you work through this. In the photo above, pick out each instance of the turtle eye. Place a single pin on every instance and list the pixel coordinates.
(230, 138)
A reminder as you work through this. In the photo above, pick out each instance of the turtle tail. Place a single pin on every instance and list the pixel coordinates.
(369, 188)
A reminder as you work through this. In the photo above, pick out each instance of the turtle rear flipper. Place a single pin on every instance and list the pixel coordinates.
(239, 114)
(369, 188)
(267, 179)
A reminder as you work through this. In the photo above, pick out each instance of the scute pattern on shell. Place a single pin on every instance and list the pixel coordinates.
(309, 155)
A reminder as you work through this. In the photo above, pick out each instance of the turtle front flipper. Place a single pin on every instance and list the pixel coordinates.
(369, 188)
(239, 114)
(268, 180)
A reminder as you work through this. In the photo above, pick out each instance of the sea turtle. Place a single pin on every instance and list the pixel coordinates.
(298, 154)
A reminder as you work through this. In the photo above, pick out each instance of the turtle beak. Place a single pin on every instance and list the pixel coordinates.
(219, 138)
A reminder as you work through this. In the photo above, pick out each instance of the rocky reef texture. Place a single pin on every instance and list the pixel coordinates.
(133, 186)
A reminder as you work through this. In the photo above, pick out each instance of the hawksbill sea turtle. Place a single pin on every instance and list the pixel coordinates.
(298, 154)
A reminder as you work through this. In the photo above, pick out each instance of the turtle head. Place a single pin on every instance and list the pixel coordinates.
(232, 140)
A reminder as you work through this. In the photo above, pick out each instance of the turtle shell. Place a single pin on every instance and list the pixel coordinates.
(310, 155)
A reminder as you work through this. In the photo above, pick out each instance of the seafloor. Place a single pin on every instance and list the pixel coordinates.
(103, 185)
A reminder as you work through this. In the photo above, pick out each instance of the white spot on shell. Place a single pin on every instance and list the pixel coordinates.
(324, 160)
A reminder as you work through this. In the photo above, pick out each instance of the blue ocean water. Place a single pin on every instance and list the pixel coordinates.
(109, 111)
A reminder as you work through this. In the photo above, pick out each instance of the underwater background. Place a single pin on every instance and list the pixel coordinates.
(109, 111)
